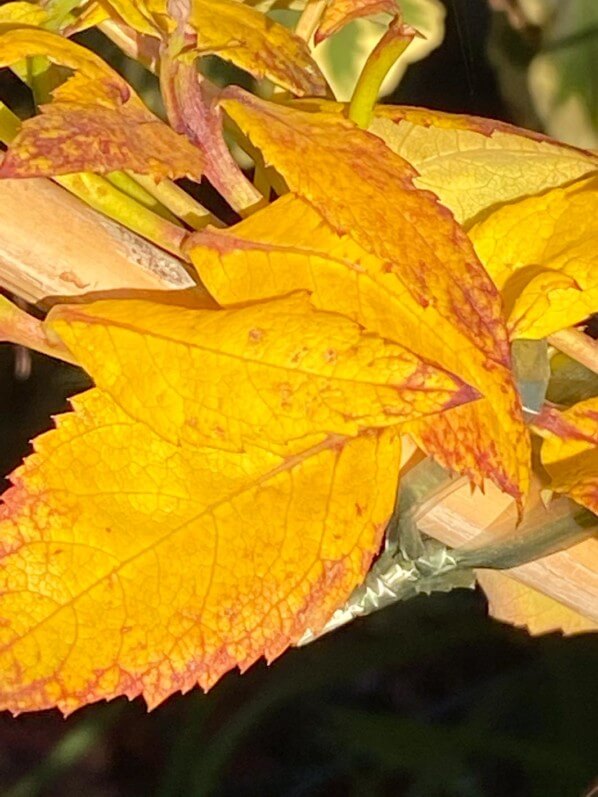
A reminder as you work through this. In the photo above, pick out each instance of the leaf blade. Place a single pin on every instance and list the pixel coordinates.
(149, 590)
(570, 450)
(541, 253)
(284, 371)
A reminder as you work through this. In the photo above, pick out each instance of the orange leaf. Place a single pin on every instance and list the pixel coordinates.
(256, 43)
(284, 371)
(570, 450)
(68, 137)
(472, 164)
(233, 31)
(403, 268)
(97, 122)
(134, 566)
(339, 13)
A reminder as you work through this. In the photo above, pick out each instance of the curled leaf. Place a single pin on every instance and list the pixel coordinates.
(570, 450)
(542, 253)
(132, 566)
(284, 371)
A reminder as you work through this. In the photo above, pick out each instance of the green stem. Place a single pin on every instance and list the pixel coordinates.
(101, 195)
(529, 544)
(384, 55)
(9, 124)
(129, 185)
(178, 201)
(97, 192)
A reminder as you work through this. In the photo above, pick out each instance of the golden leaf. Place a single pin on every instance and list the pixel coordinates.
(22, 13)
(542, 253)
(265, 375)
(97, 122)
(256, 43)
(235, 32)
(570, 450)
(134, 566)
(402, 267)
(473, 164)
(195, 512)
(145, 16)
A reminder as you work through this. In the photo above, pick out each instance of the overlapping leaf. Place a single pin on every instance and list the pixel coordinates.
(134, 566)
(235, 32)
(401, 266)
(203, 507)
(570, 450)
(97, 123)
(254, 42)
(471, 163)
(542, 253)
(264, 375)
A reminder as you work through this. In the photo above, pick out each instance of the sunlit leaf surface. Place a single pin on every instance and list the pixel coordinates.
(570, 450)
(542, 253)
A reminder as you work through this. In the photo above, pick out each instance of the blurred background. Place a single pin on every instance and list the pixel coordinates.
(426, 699)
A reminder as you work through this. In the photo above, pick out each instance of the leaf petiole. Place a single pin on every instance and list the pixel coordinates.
(382, 58)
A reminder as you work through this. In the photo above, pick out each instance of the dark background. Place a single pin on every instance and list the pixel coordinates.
(426, 699)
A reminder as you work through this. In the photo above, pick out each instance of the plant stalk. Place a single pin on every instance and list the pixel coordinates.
(578, 346)
(382, 58)
(309, 19)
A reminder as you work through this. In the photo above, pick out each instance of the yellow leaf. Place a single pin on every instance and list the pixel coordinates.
(68, 137)
(513, 602)
(134, 566)
(413, 277)
(254, 42)
(97, 122)
(289, 246)
(91, 15)
(473, 164)
(19, 43)
(340, 12)
(144, 16)
(542, 253)
(284, 371)
(570, 450)
(23, 13)
(235, 32)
